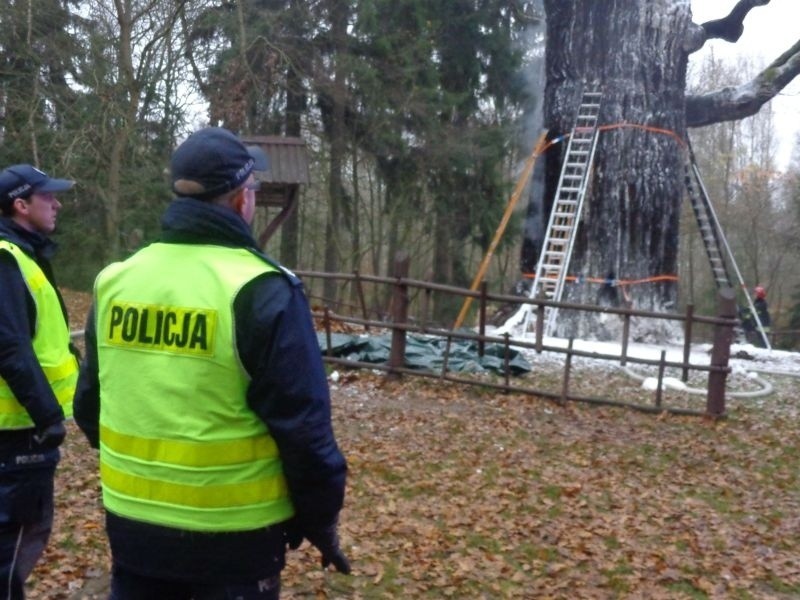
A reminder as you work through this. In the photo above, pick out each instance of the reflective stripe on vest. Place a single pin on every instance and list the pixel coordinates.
(50, 344)
(179, 446)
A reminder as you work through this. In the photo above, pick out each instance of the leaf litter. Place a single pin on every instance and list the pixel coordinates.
(458, 492)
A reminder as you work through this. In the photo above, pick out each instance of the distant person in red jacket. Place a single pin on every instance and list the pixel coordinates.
(749, 323)
(762, 310)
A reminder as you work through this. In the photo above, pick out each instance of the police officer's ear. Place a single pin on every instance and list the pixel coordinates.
(238, 202)
(243, 202)
(20, 206)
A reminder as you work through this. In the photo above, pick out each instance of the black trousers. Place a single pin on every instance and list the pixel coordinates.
(126, 585)
(26, 516)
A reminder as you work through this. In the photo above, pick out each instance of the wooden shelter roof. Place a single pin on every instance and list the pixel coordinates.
(287, 155)
(280, 185)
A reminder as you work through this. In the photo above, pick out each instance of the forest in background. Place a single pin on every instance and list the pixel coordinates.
(418, 116)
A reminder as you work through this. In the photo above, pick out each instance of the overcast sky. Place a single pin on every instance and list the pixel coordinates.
(768, 32)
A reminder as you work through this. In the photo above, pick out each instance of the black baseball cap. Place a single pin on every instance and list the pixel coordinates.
(213, 161)
(20, 181)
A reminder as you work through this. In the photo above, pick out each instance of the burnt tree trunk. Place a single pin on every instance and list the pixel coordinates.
(636, 53)
(635, 56)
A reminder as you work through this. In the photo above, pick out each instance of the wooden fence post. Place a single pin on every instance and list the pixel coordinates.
(626, 334)
(361, 300)
(446, 358)
(327, 320)
(539, 328)
(567, 369)
(506, 362)
(425, 307)
(399, 314)
(660, 382)
(482, 319)
(687, 340)
(720, 354)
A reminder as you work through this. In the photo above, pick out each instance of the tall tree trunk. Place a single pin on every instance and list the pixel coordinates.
(295, 105)
(127, 90)
(634, 54)
(353, 225)
(336, 194)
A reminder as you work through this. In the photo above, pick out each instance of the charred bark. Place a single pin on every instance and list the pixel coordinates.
(637, 55)
(637, 59)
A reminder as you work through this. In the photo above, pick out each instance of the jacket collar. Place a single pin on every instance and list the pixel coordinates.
(31, 242)
(190, 221)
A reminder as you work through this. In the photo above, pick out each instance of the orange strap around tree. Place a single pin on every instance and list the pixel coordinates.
(540, 148)
(576, 279)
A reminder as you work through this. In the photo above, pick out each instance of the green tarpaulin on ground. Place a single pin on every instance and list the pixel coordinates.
(427, 353)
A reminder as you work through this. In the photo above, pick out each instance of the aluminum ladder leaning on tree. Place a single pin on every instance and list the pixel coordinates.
(551, 269)
(717, 249)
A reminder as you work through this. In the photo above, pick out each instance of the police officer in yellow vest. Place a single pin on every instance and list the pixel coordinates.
(204, 389)
(37, 370)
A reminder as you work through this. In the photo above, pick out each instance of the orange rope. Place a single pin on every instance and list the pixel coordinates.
(649, 128)
(647, 279)
(622, 125)
(620, 282)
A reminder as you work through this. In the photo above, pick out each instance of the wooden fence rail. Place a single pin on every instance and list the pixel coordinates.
(400, 325)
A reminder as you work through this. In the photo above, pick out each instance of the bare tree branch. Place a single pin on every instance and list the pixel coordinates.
(731, 27)
(733, 103)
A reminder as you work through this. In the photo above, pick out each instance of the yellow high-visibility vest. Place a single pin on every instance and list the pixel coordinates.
(179, 446)
(50, 344)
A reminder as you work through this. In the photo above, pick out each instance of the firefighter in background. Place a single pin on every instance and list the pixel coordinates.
(762, 310)
(749, 323)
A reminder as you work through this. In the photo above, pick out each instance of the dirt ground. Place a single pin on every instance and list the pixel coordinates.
(455, 492)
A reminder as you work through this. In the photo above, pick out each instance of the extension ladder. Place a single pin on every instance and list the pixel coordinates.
(551, 270)
(718, 251)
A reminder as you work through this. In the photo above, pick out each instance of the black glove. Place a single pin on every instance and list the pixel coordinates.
(76, 352)
(326, 540)
(293, 534)
(51, 436)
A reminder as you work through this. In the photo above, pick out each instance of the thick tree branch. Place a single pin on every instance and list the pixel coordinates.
(729, 28)
(733, 103)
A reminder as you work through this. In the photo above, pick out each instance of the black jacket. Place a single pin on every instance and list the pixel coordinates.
(19, 366)
(762, 310)
(278, 346)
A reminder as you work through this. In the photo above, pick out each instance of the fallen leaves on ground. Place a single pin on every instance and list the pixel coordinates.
(455, 492)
